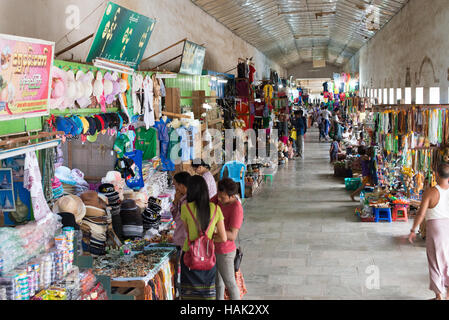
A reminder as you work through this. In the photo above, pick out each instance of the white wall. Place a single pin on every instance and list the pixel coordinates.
(176, 19)
(420, 30)
(305, 70)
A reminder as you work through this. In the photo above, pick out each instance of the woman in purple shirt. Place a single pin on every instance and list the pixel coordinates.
(180, 181)
(202, 169)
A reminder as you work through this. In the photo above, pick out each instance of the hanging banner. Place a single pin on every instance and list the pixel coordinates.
(122, 36)
(25, 66)
(192, 59)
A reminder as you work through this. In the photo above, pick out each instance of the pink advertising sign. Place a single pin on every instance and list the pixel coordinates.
(25, 79)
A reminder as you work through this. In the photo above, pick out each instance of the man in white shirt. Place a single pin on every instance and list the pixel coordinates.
(325, 114)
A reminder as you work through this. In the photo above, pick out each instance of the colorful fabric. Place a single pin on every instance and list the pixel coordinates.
(197, 285)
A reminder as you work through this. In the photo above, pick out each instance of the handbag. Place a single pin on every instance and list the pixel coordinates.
(238, 256)
(240, 284)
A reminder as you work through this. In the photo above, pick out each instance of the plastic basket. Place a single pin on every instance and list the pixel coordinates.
(352, 184)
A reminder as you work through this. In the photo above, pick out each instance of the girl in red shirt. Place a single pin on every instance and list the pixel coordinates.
(225, 251)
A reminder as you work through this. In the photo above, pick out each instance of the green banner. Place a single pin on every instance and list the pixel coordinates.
(122, 36)
(192, 59)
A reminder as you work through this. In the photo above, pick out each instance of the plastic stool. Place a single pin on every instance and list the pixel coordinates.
(270, 176)
(400, 213)
(382, 214)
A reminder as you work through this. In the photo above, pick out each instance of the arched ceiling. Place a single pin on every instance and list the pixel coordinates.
(292, 31)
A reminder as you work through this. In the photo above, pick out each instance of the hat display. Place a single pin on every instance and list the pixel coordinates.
(93, 199)
(71, 204)
(131, 220)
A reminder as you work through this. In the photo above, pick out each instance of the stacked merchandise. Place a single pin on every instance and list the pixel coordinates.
(72, 181)
(108, 190)
(20, 244)
(152, 215)
(57, 188)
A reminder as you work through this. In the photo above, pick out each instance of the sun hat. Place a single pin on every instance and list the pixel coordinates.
(85, 124)
(102, 124)
(124, 117)
(92, 138)
(62, 124)
(71, 92)
(87, 88)
(71, 204)
(79, 125)
(58, 87)
(93, 199)
(139, 197)
(64, 174)
(79, 84)
(92, 126)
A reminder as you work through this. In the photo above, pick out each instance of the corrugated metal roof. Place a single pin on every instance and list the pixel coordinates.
(292, 31)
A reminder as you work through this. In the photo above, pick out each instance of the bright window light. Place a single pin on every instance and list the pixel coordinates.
(385, 96)
(408, 95)
(434, 95)
(420, 95)
(391, 96)
(380, 96)
(398, 94)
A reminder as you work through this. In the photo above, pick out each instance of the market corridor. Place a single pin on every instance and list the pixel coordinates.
(301, 240)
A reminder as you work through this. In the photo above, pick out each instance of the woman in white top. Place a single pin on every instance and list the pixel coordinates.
(435, 209)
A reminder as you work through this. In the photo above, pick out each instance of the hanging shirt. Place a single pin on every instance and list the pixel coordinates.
(146, 141)
(252, 70)
(148, 116)
(187, 142)
(32, 181)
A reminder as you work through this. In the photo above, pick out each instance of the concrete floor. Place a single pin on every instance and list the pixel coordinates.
(302, 240)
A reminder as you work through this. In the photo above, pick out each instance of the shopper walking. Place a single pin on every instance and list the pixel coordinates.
(301, 129)
(199, 214)
(325, 115)
(203, 169)
(226, 251)
(180, 180)
(435, 210)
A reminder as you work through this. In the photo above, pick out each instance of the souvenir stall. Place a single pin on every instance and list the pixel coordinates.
(410, 142)
(109, 140)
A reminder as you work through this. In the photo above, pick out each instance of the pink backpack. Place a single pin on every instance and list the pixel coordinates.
(201, 254)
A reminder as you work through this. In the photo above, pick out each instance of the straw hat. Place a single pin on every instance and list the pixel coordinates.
(71, 204)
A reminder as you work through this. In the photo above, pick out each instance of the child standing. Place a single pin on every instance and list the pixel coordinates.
(334, 150)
